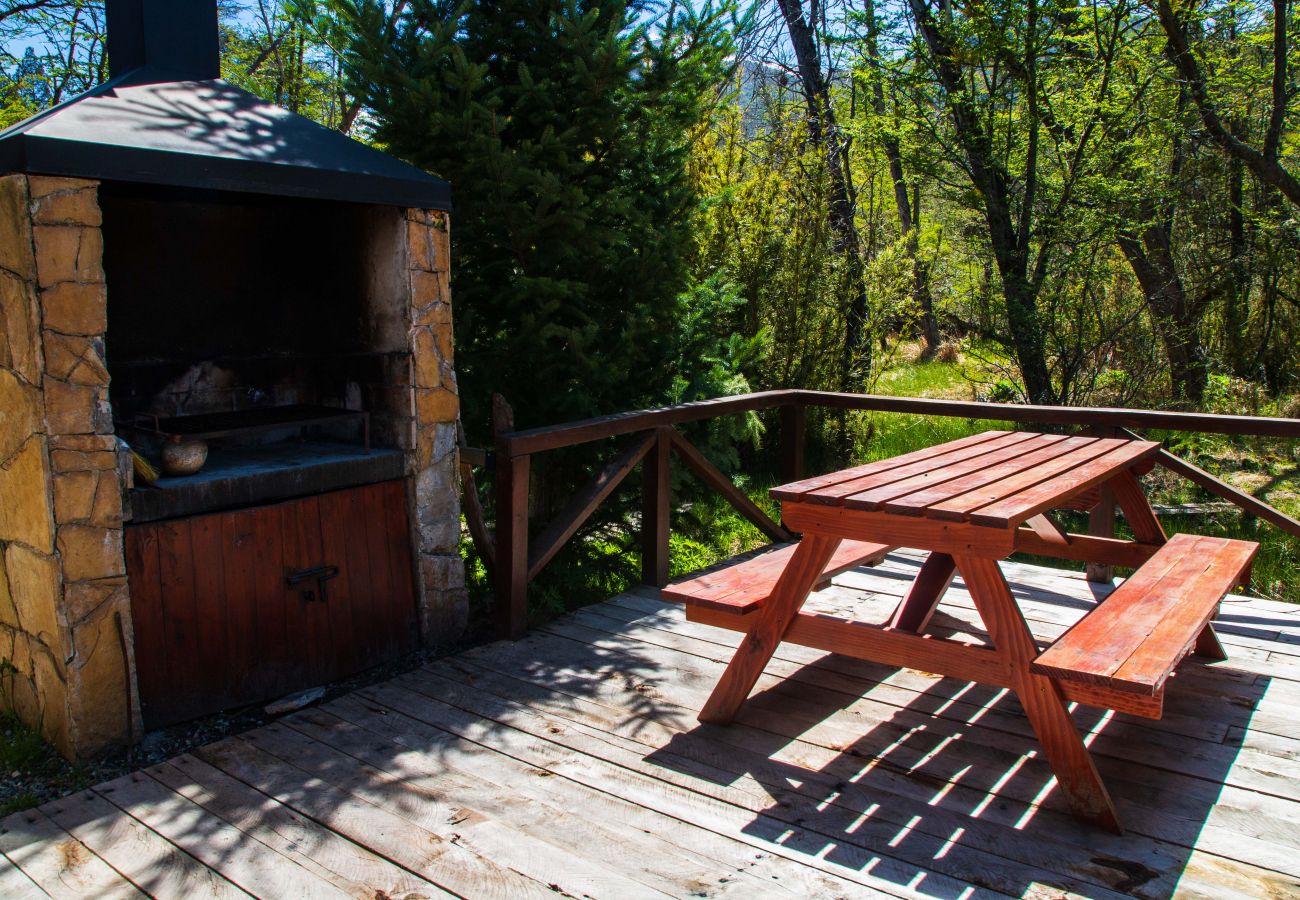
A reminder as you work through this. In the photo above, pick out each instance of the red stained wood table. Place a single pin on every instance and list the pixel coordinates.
(970, 502)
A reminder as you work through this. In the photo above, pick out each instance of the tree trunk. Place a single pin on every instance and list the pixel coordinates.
(921, 283)
(1175, 317)
(824, 132)
(1236, 296)
(909, 213)
(1010, 243)
(1263, 163)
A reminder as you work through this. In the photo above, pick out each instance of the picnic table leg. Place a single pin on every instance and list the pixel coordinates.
(1146, 528)
(1040, 696)
(1209, 645)
(802, 571)
(918, 604)
(1137, 509)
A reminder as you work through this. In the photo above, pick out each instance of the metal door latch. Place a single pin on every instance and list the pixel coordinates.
(320, 575)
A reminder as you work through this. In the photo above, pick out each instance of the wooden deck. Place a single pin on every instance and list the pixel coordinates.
(571, 763)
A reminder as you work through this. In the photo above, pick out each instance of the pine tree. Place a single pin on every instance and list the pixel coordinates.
(564, 128)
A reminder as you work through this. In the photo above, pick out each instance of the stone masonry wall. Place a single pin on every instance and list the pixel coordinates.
(435, 514)
(65, 613)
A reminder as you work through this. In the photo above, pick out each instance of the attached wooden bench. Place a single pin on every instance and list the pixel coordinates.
(1130, 643)
(741, 588)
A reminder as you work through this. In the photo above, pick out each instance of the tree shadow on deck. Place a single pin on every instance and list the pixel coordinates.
(947, 777)
(574, 756)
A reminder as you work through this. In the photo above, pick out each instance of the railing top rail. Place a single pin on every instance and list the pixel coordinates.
(569, 434)
(554, 437)
(1209, 423)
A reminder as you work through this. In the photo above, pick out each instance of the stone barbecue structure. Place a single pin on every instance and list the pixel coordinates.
(137, 283)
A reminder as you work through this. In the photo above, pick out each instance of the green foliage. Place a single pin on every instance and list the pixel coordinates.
(715, 359)
(282, 57)
(764, 229)
(563, 128)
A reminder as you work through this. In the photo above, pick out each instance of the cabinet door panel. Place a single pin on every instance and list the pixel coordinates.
(310, 638)
(219, 626)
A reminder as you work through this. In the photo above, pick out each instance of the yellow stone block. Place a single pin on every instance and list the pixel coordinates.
(51, 696)
(74, 496)
(107, 509)
(444, 343)
(428, 288)
(15, 228)
(421, 252)
(20, 414)
(72, 202)
(34, 584)
(43, 185)
(439, 405)
(82, 598)
(90, 552)
(68, 253)
(80, 460)
(25, 512)
(20, 652)
(19, 335)
(425, 441)
(75, 308)
(87, 443)
(436, 315)
(70, 408)
(97, 695)
(8, 611)
(428, 371)
(74, 358)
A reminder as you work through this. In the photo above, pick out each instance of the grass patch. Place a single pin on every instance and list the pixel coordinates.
(31, 772)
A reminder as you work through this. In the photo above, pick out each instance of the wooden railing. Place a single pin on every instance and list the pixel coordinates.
(651, 439)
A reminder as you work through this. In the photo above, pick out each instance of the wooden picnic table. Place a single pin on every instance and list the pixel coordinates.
(972, 502)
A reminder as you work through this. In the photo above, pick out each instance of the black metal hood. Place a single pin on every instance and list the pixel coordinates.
(164, 117)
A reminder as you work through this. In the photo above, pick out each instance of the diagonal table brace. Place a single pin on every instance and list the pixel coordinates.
(923, 596)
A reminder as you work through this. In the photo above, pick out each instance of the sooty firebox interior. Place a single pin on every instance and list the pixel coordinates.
(235, 306)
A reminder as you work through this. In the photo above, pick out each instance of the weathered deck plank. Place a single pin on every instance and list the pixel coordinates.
(571, 763)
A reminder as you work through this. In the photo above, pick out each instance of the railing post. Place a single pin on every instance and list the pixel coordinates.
(655, 510)
(793, 428)
(511, 562)
(512, 545)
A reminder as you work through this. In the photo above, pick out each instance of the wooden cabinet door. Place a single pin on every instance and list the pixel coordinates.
(220, 623)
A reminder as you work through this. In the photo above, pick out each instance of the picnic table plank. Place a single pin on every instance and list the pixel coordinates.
(1168, 639)
(1100, 644)
(1043, 468)
(915, 496)
(1015, 508)
(968, 500)
(742, 587)
(947, 465)
(796, 490)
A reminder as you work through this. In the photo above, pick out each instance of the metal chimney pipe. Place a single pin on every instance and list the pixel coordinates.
(177, 39)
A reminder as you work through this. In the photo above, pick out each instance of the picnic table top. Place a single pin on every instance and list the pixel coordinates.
(997, 479)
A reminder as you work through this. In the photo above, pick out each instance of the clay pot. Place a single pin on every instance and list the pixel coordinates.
(183, 457)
